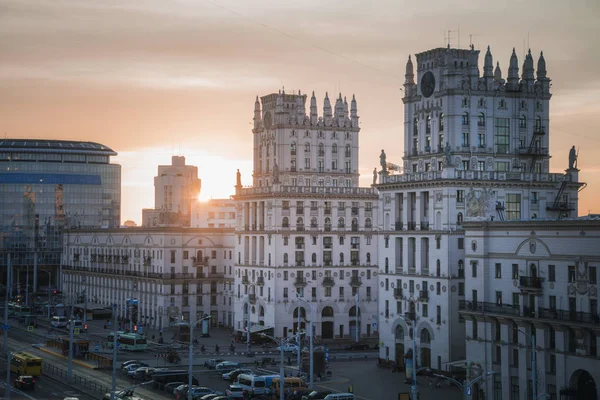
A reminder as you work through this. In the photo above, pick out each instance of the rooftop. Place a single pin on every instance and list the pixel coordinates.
(37, 145)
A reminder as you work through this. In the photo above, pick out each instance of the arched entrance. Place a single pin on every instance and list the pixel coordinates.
(327, 323)
(425, 349)
(352, 323)
(399, 338)
(582, 387)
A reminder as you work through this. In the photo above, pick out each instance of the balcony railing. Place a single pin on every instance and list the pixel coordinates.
(398, 293)
(299, 246)
(245, 280)
(300, 281)
(412, 225)
(530, 282)
(328, 281)
(327, 211)
(354, 211)
(399, 225)
(355, 281)
(423, 294)
(327, 245)
(260, 280)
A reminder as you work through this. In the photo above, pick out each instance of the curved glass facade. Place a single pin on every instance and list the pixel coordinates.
(43, 191)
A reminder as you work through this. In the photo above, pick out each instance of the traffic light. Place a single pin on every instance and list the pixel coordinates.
(85, 327)
(135, 328)
(54, 292)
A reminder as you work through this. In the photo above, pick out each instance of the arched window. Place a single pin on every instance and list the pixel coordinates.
(327, 312)
(459, 218)
(428, 124)
(368, 257)
(415, 126)
(425, 336)
(302, 313)
(334, 148)
(387, 265)
(321, 149)
(368, 223)
(327, 224)
(354, 224)
(348, 151)
(261, 311)
(523, 122)
(285, 222)
(342, 259)
(399, 334)
(465, 118)
(461, 269)
(352, 312)
(538, 124)
(341, 223)
(441, 123)
(285, 258)
(307, 147)
(299, 223)
(314, 257)
(481, 119)
(438, 268)
(293, 148)
(313, 222)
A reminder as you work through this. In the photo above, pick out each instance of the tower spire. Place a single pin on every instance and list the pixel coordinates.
(409, 76)
(314, 115)
(488, 65)
(257, 114)
(513, 71)
(541, 67)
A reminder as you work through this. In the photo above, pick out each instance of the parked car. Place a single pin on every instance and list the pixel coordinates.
(212, 363)
(235, 392)
(126, 363)
(180, 391)
(226, 366)
(131, 367)
(316, 395)
(357, 346)
(25, 382)
(209, 396)
(288, 348)
(171, 386)
(232, 375)
(298, 393)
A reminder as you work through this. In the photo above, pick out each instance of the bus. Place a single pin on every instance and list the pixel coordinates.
(128, 341)
(293, 383)
(26, 364)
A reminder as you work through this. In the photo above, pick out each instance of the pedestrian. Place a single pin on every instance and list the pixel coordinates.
(350, 389)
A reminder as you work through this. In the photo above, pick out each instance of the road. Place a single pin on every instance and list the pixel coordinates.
(47, 389)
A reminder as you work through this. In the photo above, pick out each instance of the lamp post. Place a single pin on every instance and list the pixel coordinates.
(280, 343)
(533, 366)
(191, 354)
(357, 322)
(114, 365)
(8, 386)
(413, 387)
(310, 333)
(465, 387)
(6, 309)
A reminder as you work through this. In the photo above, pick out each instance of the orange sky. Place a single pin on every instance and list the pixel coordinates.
(154, 78)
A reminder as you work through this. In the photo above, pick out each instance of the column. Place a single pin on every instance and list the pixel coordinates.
(524, 360)
(560, 341)
(541, 339)
(505, 359)
(418, 210)
(405, 210)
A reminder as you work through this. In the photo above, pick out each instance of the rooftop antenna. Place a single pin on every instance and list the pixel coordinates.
(458, 37)
(448, 38)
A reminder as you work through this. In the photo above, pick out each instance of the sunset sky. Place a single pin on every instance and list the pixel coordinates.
(154, 78)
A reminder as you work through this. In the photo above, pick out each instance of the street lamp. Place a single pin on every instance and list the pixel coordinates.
(8, 357)
(280, 343)
(413, 387)
(191, 352)
(533, 367)
(465, 387)
(310, 333)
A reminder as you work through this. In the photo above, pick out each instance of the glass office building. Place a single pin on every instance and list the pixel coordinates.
(47, 186)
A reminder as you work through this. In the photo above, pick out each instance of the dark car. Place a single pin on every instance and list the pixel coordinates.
(298, 393)
(357, 346)
(170, 387)
(25, 382)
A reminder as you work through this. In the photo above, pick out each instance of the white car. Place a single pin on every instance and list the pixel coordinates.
(288, 348)
(235, 392)
(131, 367)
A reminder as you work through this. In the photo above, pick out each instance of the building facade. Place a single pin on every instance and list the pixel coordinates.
(305, 228)
(47, 186)
(174, 273)
(176, 189)
(214, 213)
(475, 149)
(535, 285)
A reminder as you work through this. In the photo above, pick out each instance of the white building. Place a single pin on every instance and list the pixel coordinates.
(214, 213)
(534, 278)
(305, 226)
(176, 188)
(175, 273)
(475, 149)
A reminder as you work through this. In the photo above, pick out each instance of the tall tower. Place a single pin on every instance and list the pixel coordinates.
(475, 149)
(305, 228)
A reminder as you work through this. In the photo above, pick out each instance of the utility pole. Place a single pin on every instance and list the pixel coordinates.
(357, 326)
(114, 365)
(533, 368)
(71, 327)
(6, 314)
(298, 329)
(27, 287)
(84, 281)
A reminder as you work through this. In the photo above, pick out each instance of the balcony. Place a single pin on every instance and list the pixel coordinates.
(354, 211)
(539, 130)
(399, 226)
(327, 245)
(300, 246)
(215, 275)
(245, 280)
(260, 281)
(423, 295)
(327, 211)
(300, 227)
(412, 225)
(530, 284)
(398, 293)
(355, 281)
(252, 298)
(328, 281)
(200, 262)
(354, 228)
(300, 281)
(300, 263)
(411, 316)
(424, 225)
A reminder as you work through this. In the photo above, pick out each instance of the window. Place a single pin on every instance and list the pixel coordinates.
(571, 276)
(460, 196)
(441, 124)
(481, 140)
(465, 118)
(341, 239)
(474, 269)
(465, 165)
(438, 315)
(475, 333)
(285, 275)
(551, 273)
(461, 288)
(593, 276)
(523, 122)
(293, 148)
(514, 388)
(502, 166)
(481, 119)
(461, 269)
(459, 219)
(515, 300)
(428, 124)
(328, 291)
(465, 139)
(498, 271)
(502, 135)
(424, 311)
(172, 256)
(186, 254)
(461, 243)
(334, 148)
(515, 271)
(534, 197)
(285, 293)
(307, 163)
(513, 206)
(552, 302)
(286, 240)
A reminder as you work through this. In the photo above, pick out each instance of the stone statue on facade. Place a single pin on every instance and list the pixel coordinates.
(382, 161)
(573, 158)
(238, 178)
(447, 150)
(275, 172)
(374, 176)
